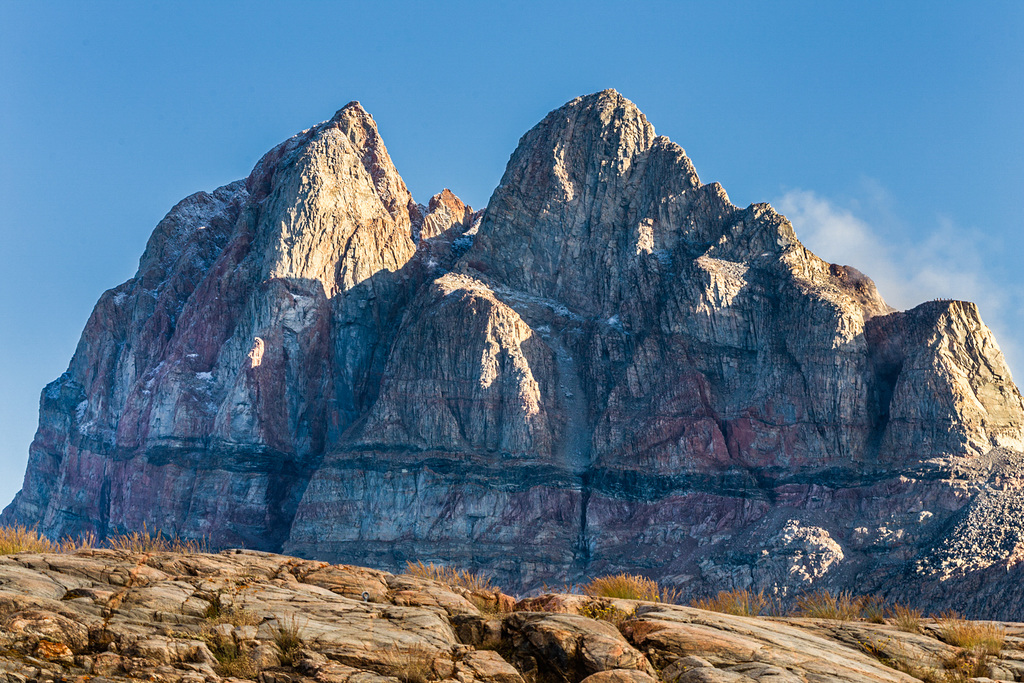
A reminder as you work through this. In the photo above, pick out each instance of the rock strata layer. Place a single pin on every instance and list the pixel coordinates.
(610, 368)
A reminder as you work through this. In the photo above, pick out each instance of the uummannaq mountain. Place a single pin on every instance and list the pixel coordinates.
(611, 367)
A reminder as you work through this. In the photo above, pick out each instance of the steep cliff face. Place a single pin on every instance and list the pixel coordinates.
(206, 388)
(610, 368)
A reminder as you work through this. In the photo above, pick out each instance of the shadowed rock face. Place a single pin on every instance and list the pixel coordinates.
(610, 368)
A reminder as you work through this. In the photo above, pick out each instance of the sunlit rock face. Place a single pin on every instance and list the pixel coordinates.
(610, 368)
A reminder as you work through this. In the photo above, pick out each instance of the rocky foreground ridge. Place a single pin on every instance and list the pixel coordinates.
(610, 368)
(101, 615)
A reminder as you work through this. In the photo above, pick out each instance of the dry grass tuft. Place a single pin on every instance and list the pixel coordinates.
(231, 662)
(409, 664)
(287, 635)
(872, 608)
(219, 613)
(623, 586)
(242, 666)
(823, 605)
(19, 539)
(895, 654)
(145, 542)
(906, 619)
(963, 667)
(743, 603)
(670, 596)
(453, 577)
(983, 638)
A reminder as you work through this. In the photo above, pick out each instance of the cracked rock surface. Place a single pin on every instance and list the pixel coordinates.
(102, 615)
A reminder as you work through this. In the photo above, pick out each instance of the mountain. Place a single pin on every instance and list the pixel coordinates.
(610, 368)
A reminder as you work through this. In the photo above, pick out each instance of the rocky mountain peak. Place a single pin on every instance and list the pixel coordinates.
(613, 368)
(336, 209)
(445, 212)
(361, 130)
(592, 202)
(600, 133)
(447, 199)
(354, 106)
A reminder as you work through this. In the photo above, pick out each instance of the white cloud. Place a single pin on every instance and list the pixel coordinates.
(947, 264)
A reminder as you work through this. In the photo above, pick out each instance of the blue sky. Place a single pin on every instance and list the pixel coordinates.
(890, 133)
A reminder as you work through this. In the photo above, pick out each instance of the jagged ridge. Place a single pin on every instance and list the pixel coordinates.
(611, 367)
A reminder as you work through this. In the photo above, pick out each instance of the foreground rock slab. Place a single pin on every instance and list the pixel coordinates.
(111, 615)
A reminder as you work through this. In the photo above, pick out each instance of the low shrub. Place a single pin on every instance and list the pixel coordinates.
(604, 611)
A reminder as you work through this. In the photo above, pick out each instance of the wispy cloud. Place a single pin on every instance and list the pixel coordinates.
(947, 263)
